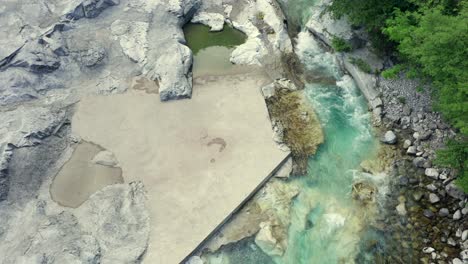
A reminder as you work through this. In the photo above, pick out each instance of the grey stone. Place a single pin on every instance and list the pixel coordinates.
(454, 191)
(464, 255)
(428, 250)
(433, 198)
(457, 261)
(464, 235)
(411, 150)
(451, 242)
(389, 138)
(407, 143)
(444, 212)
(419, 162)
(457, 215)
(432, 173)
(428, 213)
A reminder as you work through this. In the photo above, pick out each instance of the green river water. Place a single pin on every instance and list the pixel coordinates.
(327, 226)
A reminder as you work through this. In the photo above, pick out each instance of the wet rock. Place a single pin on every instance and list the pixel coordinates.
(194, 260)
(433, 198)
(389, 138)
(457, 215)
(432, 173)
(267, 242)
(444, 212)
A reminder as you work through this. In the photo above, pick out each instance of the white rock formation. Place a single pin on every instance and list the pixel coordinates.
(214, 20)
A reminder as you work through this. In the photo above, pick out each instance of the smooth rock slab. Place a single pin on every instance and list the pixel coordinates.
(198, 159)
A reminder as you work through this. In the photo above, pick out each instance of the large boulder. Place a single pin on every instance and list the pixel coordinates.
(389, 138)
(175, 82)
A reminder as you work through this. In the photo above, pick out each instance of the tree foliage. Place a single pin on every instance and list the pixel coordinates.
(431, 38)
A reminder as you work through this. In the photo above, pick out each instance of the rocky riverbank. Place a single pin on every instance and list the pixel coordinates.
(426, 213)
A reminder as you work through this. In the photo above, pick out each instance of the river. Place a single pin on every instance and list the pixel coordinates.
(327, 224)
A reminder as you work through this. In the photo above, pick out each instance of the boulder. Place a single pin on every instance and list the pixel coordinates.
(454, 191)
(443, 212)
(175, 82)
(285, 170)
(214, 20)
(389, 138)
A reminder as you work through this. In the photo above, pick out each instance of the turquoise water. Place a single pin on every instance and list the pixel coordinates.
(327, 225)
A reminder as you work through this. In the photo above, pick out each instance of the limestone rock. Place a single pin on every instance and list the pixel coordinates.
(401, 209)
(175, 82)
(407, 144)
(411, 150)
(132, 37)
(214, 20)
(111, 227)
(285, 170)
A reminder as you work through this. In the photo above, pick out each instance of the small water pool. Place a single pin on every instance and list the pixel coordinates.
(212, 50)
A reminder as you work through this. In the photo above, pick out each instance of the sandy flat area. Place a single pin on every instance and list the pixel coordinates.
(198, 158)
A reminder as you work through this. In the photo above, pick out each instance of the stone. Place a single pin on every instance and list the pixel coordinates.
(425, 135)
(411, 150)
(389, 138)
(428, 213)
(464, 255)
(417, 195)
(419, 162)
(407, 143)
(431, 187)
(267, 242)
(428, 250)
(457, 261)
(454, 191)
(457, 215)
(433, 198)
(451, 242)
(432, 173)
(464, 235)
(401, 209)
(444, 212)
(106, 158)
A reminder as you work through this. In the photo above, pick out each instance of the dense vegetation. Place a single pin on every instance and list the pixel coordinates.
(430, 38)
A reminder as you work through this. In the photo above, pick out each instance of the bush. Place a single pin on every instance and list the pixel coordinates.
(361, 64)
(260, 15)
(340, 45)
(393, 72)
(455, 155)
(402, 100)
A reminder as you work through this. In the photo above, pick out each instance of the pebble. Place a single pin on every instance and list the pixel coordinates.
(431, 187)
(464, 235)
(401, 209)
(456, 261)
(465, 211)
(433, 198)
(419, 162)
(417, 195)
(464, 255)
(457, 215)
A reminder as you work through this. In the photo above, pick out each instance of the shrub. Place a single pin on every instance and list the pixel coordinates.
(393, 72)
(340, 45)
(402, 100)
(361, 64)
